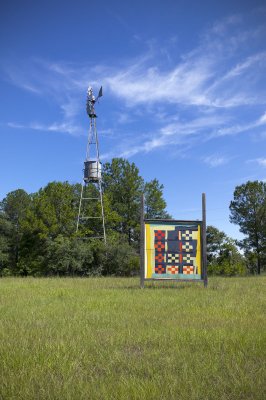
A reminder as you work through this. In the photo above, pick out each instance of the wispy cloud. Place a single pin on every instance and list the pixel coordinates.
(262, 119)
(215, 160)
(201, 96)
(259, 161)
(54, 127)
(182, 133)
(239, 128)
(262, 161)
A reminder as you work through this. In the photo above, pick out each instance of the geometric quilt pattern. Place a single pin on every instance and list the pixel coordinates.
(188, 269)
(175, 250)
(172, 269)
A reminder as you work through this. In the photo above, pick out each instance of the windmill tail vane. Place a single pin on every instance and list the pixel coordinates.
(100, 93)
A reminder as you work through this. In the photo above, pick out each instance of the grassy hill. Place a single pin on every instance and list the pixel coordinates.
(104, 338)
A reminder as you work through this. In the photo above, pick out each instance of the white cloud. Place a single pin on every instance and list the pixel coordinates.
(182, 85)
(260, 161)
(181, 133)
(15, 125)
(196, 98)
(262, 119)
(54, 127)
(240, 128)
(198, 79)
(215, 160)
(251, 61)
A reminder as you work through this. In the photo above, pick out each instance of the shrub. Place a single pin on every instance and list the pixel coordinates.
(121, 259)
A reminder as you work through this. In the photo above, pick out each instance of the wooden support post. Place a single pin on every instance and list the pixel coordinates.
(142, 238)
(204, 241)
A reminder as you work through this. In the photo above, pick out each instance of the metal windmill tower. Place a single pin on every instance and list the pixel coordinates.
(91, 198)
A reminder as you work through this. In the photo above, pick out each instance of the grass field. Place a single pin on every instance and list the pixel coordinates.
(104, 338)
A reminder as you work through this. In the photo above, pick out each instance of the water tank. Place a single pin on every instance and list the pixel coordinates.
(92, 171)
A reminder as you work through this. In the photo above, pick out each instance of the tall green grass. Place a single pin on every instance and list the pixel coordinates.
(104, 338)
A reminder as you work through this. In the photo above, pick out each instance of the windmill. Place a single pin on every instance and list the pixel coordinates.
(91, 198)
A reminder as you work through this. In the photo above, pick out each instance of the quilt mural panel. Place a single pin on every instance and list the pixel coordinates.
(173, 250)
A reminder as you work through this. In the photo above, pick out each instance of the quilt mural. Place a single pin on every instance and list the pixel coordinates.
(173, 250)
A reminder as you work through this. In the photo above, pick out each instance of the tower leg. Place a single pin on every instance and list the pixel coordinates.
(80, 201)
(204, 241)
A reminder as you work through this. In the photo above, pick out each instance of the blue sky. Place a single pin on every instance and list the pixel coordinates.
(184, 95)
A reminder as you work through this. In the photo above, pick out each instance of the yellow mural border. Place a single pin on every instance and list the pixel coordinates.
(148, 269)
(149, 231)
(198, 255)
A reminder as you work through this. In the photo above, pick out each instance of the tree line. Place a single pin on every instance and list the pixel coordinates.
(38, 231)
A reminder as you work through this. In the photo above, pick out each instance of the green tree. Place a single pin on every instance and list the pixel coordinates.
(251, 259)
(120, 259)
(230, 262)
(248, 210)
(45, 214)
(123, 187)
(94, 227)
(38, 231)
(5, 242)
(67, 256)
(54, 210)
(112, 218)
(90, 227)
(155, 205)
(223, 255)
(215, 242)
(15, 206)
